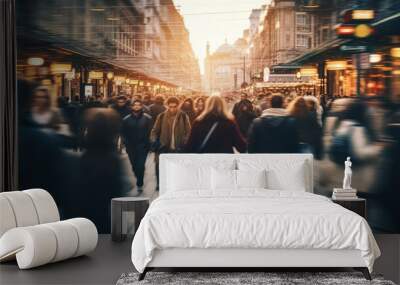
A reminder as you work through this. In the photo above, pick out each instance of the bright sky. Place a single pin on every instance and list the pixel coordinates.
(215, 21)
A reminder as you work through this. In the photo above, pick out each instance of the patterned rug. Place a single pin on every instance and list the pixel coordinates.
(244, 278)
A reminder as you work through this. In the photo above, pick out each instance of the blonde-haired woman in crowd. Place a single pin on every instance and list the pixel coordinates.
(215, 130)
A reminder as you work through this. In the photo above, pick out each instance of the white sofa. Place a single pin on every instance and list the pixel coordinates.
(31, 230)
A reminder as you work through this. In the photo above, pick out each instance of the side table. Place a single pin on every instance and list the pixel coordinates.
(357, 205)
(124, 208)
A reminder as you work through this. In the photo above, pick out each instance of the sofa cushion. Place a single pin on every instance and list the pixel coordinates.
(23, 208)
(41, 244)
(45, 205)
(7, 220)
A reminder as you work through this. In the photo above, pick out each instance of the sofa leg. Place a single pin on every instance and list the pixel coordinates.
(365, 272)
(143, 274)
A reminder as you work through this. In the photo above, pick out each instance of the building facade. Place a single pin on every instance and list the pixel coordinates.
(114, 45)
(285, 31)
(227, 68)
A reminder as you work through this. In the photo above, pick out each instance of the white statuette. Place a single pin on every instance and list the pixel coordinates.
(347, 174)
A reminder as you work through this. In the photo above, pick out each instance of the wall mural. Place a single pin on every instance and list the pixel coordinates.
(107, 86)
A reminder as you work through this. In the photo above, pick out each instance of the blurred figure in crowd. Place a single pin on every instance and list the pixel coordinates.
(275, 131)
(188, 108)
(170, 131)
(147, 100)
(385, 198)
(135, 132)
(314, 107)
(94, 102)
(122, 106)
(199, 105)
(333, 113)
(264, 102)
(42, 162)
(308, 129)
(244, 99)
(352, 137)
(41, 111)
(244, 116)
(157, 107)
(101, 175)
(72, 113)
(215, 130)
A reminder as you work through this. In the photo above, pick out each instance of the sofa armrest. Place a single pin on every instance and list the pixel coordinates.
(41, 244)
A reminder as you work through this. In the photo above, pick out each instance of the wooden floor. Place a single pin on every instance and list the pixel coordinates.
(110, 260)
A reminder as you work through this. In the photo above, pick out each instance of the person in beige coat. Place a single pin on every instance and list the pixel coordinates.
(170, 132)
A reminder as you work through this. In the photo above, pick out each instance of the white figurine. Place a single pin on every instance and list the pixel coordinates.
(347, 174)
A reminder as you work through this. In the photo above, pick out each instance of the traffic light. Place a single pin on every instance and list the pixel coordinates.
(356, 24)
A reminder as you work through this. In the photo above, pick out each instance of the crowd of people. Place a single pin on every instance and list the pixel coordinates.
(95, 132)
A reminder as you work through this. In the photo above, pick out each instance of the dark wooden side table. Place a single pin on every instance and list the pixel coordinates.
(127, 212)
(357, 205)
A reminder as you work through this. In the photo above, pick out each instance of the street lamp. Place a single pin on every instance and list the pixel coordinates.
(97, 9)
(35, 61)
(110, 75)
(395, 52)
(375, 58)
(311, 4)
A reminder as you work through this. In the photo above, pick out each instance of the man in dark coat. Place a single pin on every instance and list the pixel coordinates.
(244, 116)
(274, 132)
(243, 100)
(157, 107)
(135, 132)
(122, 106)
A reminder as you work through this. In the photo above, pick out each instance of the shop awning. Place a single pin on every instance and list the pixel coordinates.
(283, 84)
(317, 54)
(384, 27)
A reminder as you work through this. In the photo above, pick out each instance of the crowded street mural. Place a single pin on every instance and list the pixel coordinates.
(106, 87)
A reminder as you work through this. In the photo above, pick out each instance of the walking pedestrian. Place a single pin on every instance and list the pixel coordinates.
(100, 170)
(199, 105)
(188, 108)
(353, 137)
(122, 106)
(42, 113)
(215, 130)
(314, 107)
(245, 115)
(244, 97)
(157, 107)
(275, 131)
(147, 100)
(135, 133)
(170, 131)
(42, 162)
(264, 102)
(308, 128)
